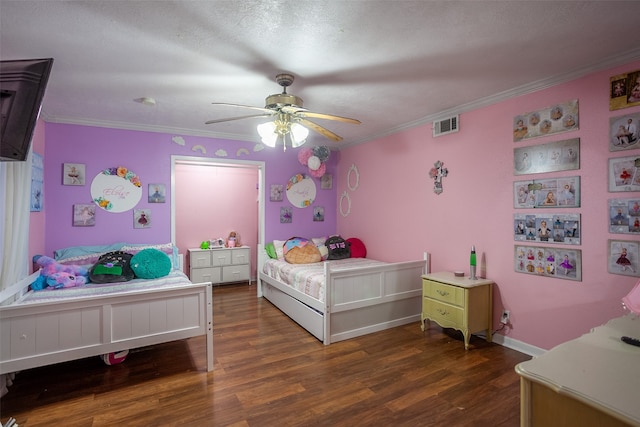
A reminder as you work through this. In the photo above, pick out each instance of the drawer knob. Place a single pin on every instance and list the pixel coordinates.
(442, 293)
(443, 312)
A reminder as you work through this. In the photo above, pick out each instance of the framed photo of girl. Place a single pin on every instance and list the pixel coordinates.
(624, 174)
(624, 133)
(623, 257)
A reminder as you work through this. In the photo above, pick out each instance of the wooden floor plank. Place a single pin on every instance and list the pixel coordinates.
(268, 371)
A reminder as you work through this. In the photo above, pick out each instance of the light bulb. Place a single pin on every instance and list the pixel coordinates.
(267, 132)
(299, 134)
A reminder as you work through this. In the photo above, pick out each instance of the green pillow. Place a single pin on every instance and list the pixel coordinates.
(150, 264)
(271, 250)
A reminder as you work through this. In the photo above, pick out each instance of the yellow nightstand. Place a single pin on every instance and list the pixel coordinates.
(457, 302)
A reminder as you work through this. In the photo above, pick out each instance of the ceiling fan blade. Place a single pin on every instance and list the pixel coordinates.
(322, 131)
(238, 118)
(241, 106)
(290, 109)
(326, 117)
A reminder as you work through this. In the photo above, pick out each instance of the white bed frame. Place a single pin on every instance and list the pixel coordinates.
(40, 334)
(358, 301)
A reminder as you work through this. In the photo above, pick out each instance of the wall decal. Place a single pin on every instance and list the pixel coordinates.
(301, 191)
(116, 189)
(437, 172)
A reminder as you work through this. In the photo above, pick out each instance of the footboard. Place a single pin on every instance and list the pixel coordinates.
(45, 333)
(370, 299)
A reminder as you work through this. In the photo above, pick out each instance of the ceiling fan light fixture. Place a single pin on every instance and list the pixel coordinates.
(298, 135)
(267, 132)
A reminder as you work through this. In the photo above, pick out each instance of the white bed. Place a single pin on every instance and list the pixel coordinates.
(356, 302)
(52, 326)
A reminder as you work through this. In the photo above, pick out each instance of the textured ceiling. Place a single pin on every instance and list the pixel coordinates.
(390, 64)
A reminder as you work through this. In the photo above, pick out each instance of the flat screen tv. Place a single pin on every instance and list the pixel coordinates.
(22, 86)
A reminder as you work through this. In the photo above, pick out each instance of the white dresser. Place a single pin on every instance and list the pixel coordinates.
(591, 381)
(217, 266)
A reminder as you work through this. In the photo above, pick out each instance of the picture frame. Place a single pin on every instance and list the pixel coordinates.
(557, 118)
(37, 183)
(547, 228)
(157, 193)
(563, 192)
(318, 213)
(623, 257)
(84, 215)
(624, 132)
(142, 218)
(624, 90)
(559, 263)
(551, 157)
(286, 215)
(624, 216)
(624, 174)
(326, 181)
(276, 193)
(73, 174)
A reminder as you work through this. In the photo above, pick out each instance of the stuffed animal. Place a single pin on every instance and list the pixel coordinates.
(233, 240)
(55, 275)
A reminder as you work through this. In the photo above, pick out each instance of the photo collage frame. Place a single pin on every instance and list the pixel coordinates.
(547, 193)
(549, 262)
(563, 229)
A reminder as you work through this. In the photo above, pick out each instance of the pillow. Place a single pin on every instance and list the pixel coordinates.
(298, 250)
(80, 251)
(319, 242)
(358, 250)
(338, 248)
(168, 248)
(150, 264)
(279, 244)
(271, 250)
(112, 267)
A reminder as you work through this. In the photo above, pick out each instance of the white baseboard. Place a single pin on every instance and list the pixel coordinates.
(520, 346)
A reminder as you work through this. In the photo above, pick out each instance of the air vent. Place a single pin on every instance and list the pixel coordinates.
(443, 127)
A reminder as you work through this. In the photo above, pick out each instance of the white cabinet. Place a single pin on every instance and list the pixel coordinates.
(220, 265)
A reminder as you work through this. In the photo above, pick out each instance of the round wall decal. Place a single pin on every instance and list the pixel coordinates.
(116, 189)
(353, 177)
(301, 191)
(345, 196)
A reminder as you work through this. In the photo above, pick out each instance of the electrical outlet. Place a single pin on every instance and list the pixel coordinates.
(505, 317)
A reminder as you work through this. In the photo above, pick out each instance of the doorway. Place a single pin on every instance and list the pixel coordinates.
(210, 197)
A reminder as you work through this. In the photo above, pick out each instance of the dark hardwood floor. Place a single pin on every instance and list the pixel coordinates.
(271, 372)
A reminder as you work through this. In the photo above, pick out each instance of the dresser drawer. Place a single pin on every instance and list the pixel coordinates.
(235, 273)
(221, 257)
(199, 259)
(443, 292)
(240, 256)
(445, 314)
(211, 274)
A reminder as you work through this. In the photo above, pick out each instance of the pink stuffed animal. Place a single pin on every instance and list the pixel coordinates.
(55, 275)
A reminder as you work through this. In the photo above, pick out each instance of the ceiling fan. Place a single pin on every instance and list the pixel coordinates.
(289, 115)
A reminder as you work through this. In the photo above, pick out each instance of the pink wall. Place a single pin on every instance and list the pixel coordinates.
(148, 154)
(398, 216)
(212, 201)
(37, 219)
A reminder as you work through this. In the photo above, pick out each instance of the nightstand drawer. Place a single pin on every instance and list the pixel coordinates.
(445, 314)
(443, 292)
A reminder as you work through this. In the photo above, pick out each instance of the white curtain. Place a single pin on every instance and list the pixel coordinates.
(15, 198)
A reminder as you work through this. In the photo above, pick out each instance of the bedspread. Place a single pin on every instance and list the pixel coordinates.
(309, 278)
(175, 278)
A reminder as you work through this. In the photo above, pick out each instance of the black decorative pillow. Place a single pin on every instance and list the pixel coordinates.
(112, 267)
(338, 248)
